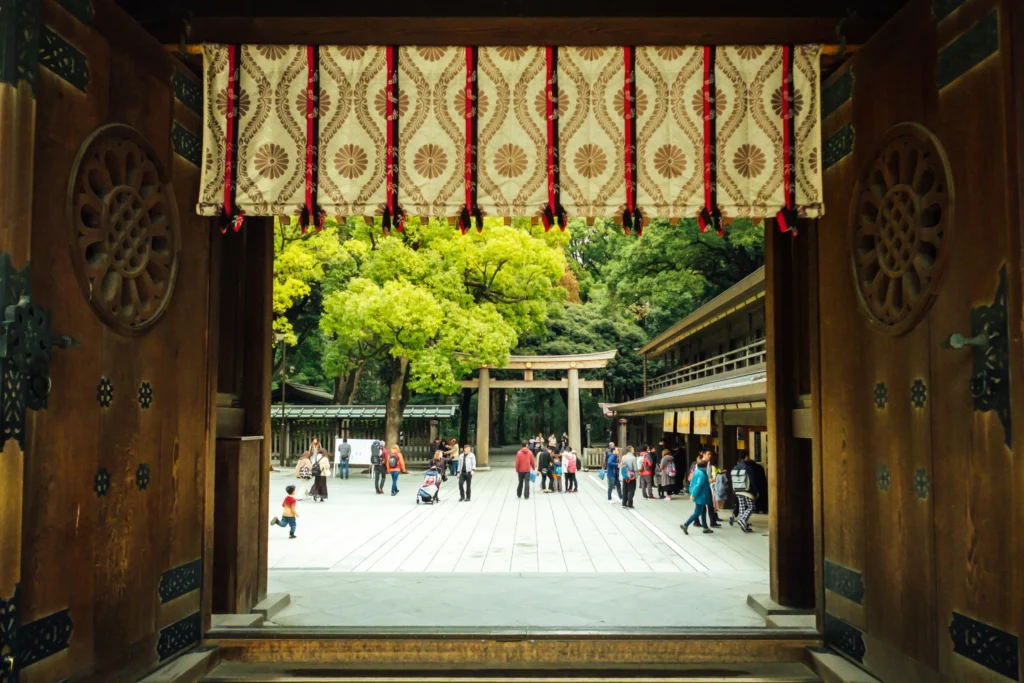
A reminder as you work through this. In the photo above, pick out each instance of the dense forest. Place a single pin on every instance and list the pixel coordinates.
(400, 318)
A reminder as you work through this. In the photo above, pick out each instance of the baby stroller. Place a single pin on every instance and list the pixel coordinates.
(431, 485)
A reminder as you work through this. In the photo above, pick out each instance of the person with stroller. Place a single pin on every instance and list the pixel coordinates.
(429, 493)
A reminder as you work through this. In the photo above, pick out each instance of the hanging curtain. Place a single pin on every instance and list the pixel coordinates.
(666, 102)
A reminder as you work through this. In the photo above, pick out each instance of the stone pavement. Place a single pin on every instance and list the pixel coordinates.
(557, 560)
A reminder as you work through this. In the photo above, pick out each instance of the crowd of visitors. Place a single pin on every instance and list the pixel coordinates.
(556, 464)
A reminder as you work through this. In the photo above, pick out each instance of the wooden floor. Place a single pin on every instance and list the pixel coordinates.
(557, 559)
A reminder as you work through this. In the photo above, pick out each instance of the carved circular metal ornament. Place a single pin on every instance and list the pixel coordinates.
(901, 228)
(125, 234)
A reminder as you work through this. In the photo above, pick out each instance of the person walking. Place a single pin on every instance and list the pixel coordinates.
(570, 464)
(378, 455)
(627, 472)
(467, 464)
(666, 475)
(304, 472)
(396, 466)
(547, 477)
(712, 471)
(700, 489)
(524, 466)
(438, 463)
(647, 473)
(746, 493)
(344, 455)
(611, 471)
(320, 469)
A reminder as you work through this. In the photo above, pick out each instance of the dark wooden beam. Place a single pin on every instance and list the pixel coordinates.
(568, 31)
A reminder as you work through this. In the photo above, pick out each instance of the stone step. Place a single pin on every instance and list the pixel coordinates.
(833, 668)
(188, 668)
(804, 621)
(271, 605)
(765, 606)
(237, 620)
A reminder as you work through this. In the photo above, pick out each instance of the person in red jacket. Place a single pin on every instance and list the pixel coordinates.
(525, 464)
(647, 473)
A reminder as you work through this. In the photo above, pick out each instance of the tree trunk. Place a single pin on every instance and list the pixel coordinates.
(397, 398)
(356, 376)
(499, 437)
(467, 395)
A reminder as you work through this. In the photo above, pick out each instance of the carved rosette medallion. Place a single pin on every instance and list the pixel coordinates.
(125, 231)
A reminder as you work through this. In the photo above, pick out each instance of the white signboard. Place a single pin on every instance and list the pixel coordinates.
(360, 452)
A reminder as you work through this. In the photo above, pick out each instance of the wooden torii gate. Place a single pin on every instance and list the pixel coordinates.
(572, 364)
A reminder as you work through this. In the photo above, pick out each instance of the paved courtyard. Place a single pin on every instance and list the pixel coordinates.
(556, 560)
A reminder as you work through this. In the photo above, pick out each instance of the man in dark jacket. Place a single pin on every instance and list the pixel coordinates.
(547, 478)
(760, 481)
(380, 469)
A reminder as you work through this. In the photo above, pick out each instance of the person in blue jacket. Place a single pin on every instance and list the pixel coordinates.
(611, 471)
(700, 490)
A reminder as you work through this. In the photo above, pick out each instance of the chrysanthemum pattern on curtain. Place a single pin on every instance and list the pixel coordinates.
(511, 111)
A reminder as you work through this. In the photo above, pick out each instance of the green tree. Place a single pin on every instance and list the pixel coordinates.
(437, 304)
(672, 270)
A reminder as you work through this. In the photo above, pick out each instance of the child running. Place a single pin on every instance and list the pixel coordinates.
(288, 512)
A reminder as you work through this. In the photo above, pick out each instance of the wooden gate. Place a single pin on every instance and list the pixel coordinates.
(922, 508)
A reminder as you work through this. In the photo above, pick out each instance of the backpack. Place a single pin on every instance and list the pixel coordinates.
(722, 486)
(626, 472)
(375, 459)
(316, 469)
(648, 463)
(740, 479)
(392, 461)
(671, 469)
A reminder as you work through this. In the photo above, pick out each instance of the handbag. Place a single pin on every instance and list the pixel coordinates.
(600, 475)
(533, 476)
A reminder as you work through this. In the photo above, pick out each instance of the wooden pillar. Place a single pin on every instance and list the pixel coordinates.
(483, 417)
(621, 437)
(790, 538)
(434, 428)
(257, 327)
(726, 443)
(574, 410)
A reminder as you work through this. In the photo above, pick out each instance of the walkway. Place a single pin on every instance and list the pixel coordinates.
(568, 560)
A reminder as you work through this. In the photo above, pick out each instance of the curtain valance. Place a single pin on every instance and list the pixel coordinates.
(633, 132)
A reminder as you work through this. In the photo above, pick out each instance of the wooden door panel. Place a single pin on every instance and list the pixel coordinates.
(974, 468)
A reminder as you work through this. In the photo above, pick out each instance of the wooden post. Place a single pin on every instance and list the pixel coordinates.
(483, 415)
(790, 549)
(574, 410)
(257, 323)
(621, 437)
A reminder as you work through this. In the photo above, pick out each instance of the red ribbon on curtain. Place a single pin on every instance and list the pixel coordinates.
(710, 216)
(393, 215)
(311, 213)
(632, 219)
(470, 211)
(232, 216)
(787, 217)
(553, 213)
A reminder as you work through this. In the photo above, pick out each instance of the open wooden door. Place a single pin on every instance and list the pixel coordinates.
(922, 242)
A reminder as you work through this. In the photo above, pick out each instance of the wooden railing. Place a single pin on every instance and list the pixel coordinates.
(743, 357)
